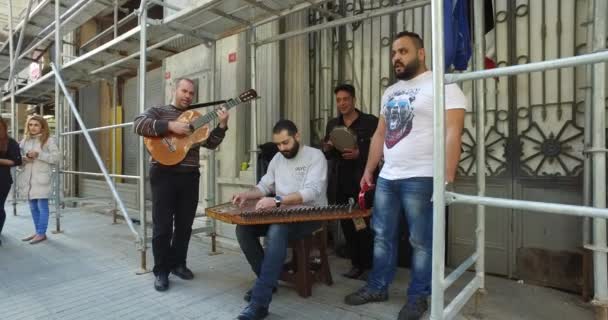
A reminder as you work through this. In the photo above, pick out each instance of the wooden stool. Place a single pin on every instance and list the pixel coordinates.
(300, 272)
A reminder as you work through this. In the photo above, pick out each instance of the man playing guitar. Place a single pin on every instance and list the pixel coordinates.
(175, 188)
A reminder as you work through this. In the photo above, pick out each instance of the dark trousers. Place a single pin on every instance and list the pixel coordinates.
(174, 201)
(360, 244)
(4, 189)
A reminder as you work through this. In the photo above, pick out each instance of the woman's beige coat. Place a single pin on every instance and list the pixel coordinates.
(34, 176)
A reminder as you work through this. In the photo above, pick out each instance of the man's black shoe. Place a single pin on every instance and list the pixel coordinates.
(343, 252)
(183, 272)
(353, 273)
(247, 296)
(365, 295)
(161, 283)
(414, 309)
(363, 276)
(252, 312)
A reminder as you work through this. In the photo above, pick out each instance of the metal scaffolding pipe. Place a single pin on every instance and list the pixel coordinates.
(582, 59)
(438, 67)
(20, 42)
(12, 90)
(563, 209)
(114, 111)
(113, 126)
(460, 270)
(143, 22)
(164, 4)
(587, 172)
(254, 106)
(600, 259)
(68, 19)
(461, 299)
(326, 89)
(310, 4)
(136, 54)
(343, 21)
(480, 140)
(95, 174)
(211, 169)
(58, 63)
(96, 155)
(117, 24)
(65, 14)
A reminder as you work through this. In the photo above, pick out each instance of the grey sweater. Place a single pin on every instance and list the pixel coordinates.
(306, 174)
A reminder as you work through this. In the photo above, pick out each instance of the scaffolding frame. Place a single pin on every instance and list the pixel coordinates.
(54, 84)
(595, 148)
(444, 197)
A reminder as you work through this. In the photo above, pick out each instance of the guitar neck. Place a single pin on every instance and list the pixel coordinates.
(210, 116)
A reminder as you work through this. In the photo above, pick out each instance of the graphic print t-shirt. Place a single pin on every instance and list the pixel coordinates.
(407, 108)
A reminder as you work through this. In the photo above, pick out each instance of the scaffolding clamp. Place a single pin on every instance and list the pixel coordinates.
(593, 150)
(599, 303)
(596, 248)
(140, 244)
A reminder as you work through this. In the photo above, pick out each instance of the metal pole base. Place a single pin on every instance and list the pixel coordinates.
(478, 297)
(15, 208)
(601, 311)
(58, 227)
(142, 267)
(214, 251)
(142, 272)
(114, 216)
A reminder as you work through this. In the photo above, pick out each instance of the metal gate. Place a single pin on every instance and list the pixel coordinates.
(533, 121)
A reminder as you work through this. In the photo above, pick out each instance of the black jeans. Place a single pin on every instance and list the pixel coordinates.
(4, 189)
(174, 201)
(360, 244)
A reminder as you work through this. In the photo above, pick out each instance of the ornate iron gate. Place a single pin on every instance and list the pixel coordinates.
(534, 122)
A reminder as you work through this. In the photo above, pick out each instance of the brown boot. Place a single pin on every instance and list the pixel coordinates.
(29, 238)
(38, 239)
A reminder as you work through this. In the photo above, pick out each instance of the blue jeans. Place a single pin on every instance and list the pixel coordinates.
(40, 214)
(411, 197)
(268, 264)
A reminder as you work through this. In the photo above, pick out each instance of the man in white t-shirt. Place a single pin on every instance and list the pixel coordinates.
(405, 186)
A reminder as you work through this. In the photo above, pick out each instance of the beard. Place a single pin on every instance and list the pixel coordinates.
(290, 154)
(182, 105)
(409, 71)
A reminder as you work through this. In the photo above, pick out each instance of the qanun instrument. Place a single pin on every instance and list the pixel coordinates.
(247, 215)
(172, 149)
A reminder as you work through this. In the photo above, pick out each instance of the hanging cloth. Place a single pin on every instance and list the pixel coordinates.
(457, 34)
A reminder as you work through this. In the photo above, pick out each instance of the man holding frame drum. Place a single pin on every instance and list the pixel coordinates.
(346, 145)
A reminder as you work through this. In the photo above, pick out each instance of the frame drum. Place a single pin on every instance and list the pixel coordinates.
(343, 138)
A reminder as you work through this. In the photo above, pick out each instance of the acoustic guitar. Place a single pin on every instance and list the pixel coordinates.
(172, 149)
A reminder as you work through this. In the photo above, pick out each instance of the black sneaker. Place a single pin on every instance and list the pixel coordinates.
(161, 283)
(413, 309)
(247, 296)
(365, 295)
(183, 272)
(353, 273)
(252, 312)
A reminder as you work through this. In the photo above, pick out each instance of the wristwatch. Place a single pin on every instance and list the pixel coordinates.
(277, 200)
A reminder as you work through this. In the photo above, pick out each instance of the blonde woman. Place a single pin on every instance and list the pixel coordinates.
(39, 153)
